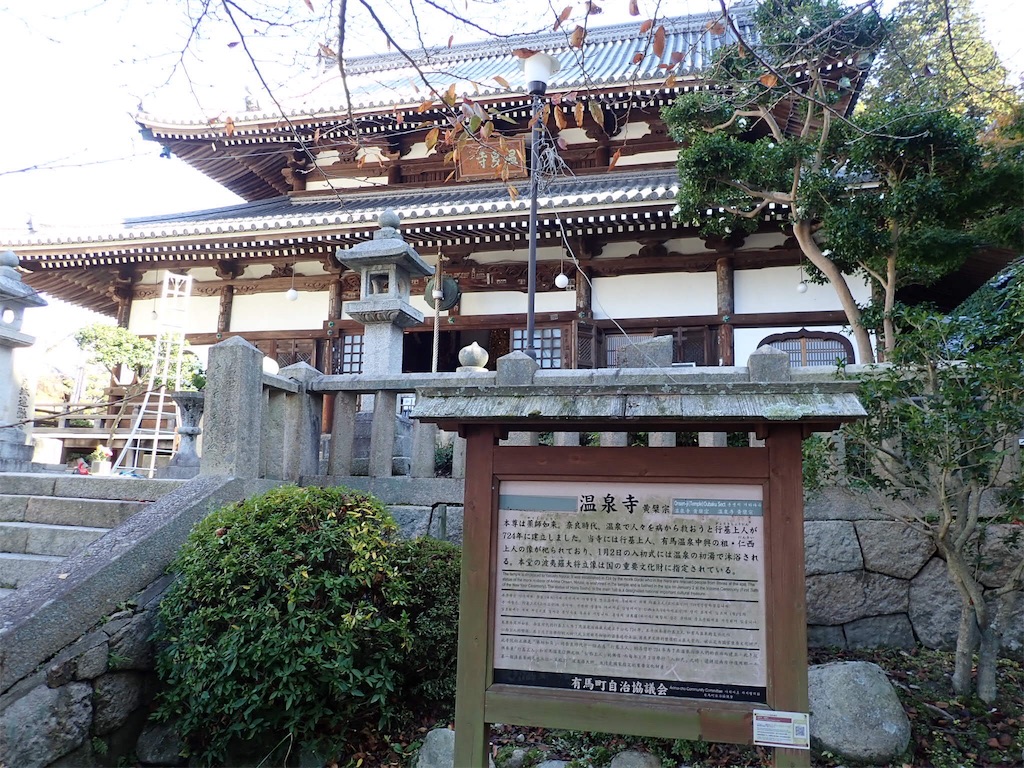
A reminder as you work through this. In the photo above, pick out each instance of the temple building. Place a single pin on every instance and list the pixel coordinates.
(317, 179)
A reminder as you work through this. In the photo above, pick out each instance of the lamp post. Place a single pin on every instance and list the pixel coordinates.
(537, 71)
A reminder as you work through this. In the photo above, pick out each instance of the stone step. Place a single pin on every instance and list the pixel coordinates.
(16, 570)
(42, 539)
(51, 510)
(85, 486)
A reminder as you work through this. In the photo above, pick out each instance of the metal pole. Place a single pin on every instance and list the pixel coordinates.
(531, 272)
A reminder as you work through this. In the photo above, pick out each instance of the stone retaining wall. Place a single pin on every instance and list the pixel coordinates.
(872, 581)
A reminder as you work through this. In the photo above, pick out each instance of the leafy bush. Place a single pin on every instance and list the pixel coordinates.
(432, 568)
(285, 624)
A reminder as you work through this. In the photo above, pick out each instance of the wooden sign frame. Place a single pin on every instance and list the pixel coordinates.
(479, 701)
(481, 160)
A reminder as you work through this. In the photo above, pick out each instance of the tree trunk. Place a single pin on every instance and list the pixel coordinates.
(988, 655)
(966, 642)
(802, 231)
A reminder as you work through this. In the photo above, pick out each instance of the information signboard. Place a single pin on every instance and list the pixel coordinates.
(631, 588)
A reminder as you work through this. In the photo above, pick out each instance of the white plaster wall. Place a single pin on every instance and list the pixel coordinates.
(746, 340)
(273, 312)
(774, 290)
(511, 302)
(665, 295)
(201, 318)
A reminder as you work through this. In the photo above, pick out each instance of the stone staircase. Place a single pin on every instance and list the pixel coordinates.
(46, 517)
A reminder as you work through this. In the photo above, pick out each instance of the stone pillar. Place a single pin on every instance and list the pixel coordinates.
(343, 433)
(15, 399)
(302, 424)
(234, 410)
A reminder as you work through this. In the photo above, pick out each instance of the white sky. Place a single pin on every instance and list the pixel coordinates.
(76, 71)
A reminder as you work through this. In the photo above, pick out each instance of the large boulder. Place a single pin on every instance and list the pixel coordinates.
(633, 759)
(855, 712)
(44, 725)
(438, 750)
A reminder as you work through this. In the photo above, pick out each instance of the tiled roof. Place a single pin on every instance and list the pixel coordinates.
(605, 61)
(621, 189)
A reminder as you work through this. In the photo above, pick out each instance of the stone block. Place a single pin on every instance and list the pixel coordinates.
(767, 364)
(1001, 548)
(130, 647)
(935, 606)
(892, 631)
(831, 547)
(516, 369)
(825, 637)
(839, 504)
(158, 744)
(838, 598)
(647, 353)
(45, 725)
(892, 548)
(855, 713)
(634, 759)
(234, 404)
(115, 696)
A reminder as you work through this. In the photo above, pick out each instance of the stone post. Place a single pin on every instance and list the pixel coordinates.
(15, 400)
(302, 424)
(234, 410)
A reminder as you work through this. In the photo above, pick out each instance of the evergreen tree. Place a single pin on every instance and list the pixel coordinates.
(935, 55)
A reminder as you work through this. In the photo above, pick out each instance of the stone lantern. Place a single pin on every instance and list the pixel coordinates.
(387, 266)
(15, 398)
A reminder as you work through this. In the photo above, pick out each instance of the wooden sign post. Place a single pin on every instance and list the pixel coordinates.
(645, 591)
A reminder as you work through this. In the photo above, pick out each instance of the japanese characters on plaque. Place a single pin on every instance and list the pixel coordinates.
(634, 589)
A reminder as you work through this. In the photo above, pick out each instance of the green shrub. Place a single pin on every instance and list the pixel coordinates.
(432, 568)
(285, 624)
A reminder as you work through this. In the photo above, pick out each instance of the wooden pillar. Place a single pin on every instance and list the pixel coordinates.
(785, 587)
(472, 672)
(726, 309)
(584, 294)
(227, 295)
(334, 305)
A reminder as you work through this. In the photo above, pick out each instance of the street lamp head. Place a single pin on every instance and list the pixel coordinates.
(537, 71)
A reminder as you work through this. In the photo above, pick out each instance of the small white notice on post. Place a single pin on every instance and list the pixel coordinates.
(782, 729)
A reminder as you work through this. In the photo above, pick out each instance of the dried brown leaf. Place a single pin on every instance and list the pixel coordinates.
(502, 82)
(425, 106)
(676, 57)
(327, 51)
(560, 120)
(646, 26)
(615, 158)
(634, 8)
(768, 80)
(229, 126)
(659, 41)
(670, 81)
(451, 39)
(449, 96)
(577, 112)
(513, 193)
(596, 112)
(566, 12)
(431, 138)
(593, 8)
(638, 57)
(523, 53)
(309, 4)
(715, 27)
(562, 143)
(577, 37)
